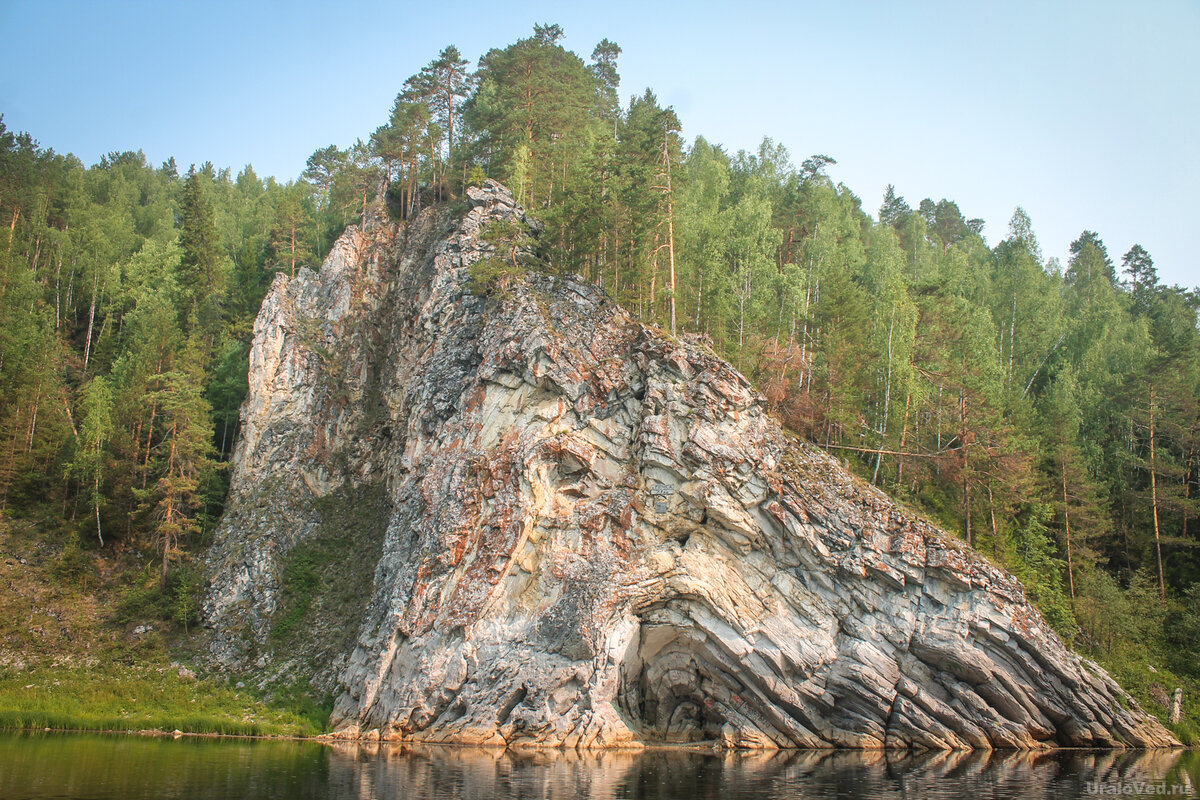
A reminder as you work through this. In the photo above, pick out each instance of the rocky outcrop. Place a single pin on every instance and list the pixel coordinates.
(584, 532)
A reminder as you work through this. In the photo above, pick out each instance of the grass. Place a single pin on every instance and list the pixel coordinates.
(1136, 675)
(72, 656)
(116, 697)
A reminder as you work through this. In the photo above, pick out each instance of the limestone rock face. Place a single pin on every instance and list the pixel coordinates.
(586, 533)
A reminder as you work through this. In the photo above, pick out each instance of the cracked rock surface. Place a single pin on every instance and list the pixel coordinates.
(592, 534)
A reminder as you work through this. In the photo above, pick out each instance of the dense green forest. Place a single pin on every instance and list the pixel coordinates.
(1048, 413)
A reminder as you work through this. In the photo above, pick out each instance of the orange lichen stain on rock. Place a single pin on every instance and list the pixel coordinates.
(460, 538)
(473, 402)
(418, 597)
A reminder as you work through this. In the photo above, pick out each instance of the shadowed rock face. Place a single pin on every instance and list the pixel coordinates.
(593, 534)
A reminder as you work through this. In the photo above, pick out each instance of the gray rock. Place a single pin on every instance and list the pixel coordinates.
(588, 533)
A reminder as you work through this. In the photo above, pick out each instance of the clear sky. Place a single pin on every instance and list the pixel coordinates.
(1084, 113)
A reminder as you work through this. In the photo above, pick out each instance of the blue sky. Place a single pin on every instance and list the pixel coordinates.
(1085, 114)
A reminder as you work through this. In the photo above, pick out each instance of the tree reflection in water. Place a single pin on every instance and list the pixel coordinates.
(191, 768)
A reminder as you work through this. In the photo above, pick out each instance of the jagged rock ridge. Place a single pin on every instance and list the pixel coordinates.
(585, 532)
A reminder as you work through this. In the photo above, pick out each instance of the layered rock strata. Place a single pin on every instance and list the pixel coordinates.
(588, 533)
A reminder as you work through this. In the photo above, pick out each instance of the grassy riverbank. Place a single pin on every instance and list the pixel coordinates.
(114, 697)
(88, 641)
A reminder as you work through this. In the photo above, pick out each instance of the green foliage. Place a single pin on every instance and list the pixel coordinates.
(1034, 560)
(511, 244)
(75, 565)
(531, 114)
(146, 696)
(144, 599)
(202, 265)
(184, 590)
(1182, 633)
(301, 580)
(1140, 643)
(90, 445)
(141, 600)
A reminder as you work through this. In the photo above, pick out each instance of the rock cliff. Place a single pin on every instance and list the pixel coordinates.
(525, 518)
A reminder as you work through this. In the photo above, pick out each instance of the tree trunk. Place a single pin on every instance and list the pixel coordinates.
(966, 464)
(12, 462)
(12, 226)
(169, 516)
(149, 439)
(96, 506)
(58, 286)
(653, 278)
(1067, 526)
(995, 527)
(1012, 331)
(743, 296)
(1162, 585)
(449, 120)
(87, 349)
(1187, 489)
(670, 235)
(169, 519)
(37, 252)
(805, 361)
(887, 397)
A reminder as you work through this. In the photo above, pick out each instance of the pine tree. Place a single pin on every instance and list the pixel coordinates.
(181, 459)
(290, 238)
(201, 265)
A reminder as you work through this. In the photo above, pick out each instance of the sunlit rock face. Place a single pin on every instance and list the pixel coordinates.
(579, 531)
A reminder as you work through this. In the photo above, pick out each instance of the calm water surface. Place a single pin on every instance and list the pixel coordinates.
(136, 768)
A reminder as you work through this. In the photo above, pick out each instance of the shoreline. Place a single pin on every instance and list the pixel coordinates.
(711, 747)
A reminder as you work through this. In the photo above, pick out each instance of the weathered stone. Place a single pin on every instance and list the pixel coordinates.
(594, 534)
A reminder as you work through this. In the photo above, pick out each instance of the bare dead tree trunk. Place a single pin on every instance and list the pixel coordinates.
(903, 437)
(1067, 526)
(1162, 584)
(995, 528)
(96, 507)
(87, 349)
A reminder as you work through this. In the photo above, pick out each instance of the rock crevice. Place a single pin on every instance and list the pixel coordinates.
(593, 534)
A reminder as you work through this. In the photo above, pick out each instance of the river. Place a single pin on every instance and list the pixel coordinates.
(99, 767)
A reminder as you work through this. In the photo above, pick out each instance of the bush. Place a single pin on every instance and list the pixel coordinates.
(183, 590)
(1181, 627)
(74, 565)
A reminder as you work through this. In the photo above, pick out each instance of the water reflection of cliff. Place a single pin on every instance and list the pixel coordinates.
(43, 766)
(373, 771)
